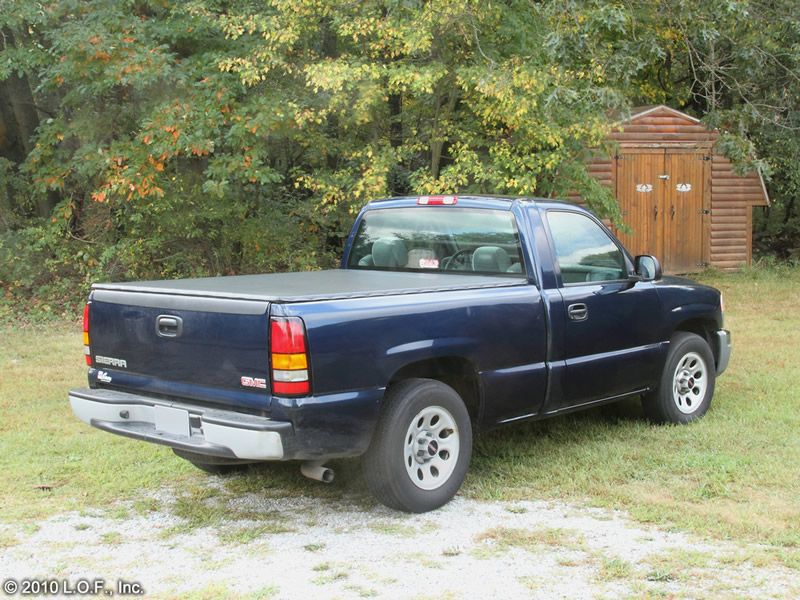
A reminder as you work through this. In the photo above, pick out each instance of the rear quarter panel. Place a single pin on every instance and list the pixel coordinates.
(359, 344)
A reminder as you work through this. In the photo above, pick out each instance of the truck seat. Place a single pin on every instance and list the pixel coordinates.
(389, 252)
(491, 259)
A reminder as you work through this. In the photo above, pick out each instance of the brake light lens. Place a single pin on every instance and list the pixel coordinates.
(437, 200)
(289, 355)
(87, 351)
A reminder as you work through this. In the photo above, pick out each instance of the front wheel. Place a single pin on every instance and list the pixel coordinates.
(421, 448)
(687, 382)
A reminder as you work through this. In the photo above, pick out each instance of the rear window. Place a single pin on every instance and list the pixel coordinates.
(442, 239)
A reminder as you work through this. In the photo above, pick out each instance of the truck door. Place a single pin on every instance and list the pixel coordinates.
(605, 331)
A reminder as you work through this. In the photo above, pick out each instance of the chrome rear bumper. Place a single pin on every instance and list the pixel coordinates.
(212, 432)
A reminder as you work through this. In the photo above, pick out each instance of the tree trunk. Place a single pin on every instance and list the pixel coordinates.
(395, 120)
(442, 114)
(6, 210)
(18, 122)
(787, 215)
(18, 119)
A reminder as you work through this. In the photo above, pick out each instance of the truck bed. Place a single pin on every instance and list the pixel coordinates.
(310, 286)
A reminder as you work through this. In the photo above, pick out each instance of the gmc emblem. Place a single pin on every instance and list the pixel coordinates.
(254, 382)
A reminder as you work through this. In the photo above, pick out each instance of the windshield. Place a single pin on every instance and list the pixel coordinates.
(446, 239)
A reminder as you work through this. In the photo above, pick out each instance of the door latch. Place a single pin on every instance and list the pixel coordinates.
(664, 177)
(578, 312)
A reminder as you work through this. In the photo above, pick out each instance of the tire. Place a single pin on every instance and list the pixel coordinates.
(212, 464)
(421, 448)
(687, 383)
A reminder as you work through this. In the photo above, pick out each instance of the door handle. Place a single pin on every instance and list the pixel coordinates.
(578, 312)
(672, 212)
(169, 326)
(655, 212)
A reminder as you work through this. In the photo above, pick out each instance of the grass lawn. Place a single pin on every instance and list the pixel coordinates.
(43, 444)
(734, 474)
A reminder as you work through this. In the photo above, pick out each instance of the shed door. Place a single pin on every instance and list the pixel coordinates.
(683, 212)
(639, 195)
(661, 195)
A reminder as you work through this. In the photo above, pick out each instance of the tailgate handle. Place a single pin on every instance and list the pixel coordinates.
(169, 326)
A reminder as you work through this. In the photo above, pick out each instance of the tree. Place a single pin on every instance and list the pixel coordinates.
(210, 136)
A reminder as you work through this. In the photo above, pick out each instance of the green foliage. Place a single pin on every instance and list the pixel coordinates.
(211, 137)
(183, 234)
(733, 63)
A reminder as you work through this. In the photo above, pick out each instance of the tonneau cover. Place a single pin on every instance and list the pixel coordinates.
(314, 285)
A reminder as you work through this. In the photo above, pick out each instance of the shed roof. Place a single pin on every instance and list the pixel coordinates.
(638, 112)
(661, 126)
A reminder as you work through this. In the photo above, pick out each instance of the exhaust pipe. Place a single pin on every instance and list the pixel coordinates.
(315, 469)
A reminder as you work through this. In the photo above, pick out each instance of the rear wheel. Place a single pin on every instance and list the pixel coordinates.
(422, 446)
(687, 382)
(212, 464)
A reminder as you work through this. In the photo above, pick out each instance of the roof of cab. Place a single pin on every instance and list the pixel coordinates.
(473, 201)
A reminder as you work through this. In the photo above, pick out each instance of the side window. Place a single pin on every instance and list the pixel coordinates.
(584, 251)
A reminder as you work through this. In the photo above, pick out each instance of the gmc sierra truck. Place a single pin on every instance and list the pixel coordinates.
(448, 315)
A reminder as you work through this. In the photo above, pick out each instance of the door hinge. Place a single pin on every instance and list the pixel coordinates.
(707, 157)
(702, 264)
(705, 211)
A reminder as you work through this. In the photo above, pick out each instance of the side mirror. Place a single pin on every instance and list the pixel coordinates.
(647, 267)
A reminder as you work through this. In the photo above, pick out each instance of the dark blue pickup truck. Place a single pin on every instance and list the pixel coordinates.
(448, 315)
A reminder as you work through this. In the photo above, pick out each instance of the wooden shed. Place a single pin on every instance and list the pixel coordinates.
(682, 200)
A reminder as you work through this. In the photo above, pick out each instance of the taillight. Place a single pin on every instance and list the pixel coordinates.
(87, 351)
(289, 355)
(437, 200)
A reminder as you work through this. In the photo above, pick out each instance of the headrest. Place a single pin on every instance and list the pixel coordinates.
(490, 258)
(389, 253)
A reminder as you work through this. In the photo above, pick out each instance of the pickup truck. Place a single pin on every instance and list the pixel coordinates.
(447, 316)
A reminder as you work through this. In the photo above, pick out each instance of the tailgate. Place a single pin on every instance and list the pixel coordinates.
(208, 349)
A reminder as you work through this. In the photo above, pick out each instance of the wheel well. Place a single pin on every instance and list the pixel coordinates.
(457, 372)
(705, 329)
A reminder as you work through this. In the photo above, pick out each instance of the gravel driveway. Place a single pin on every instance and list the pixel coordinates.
(312, 548)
